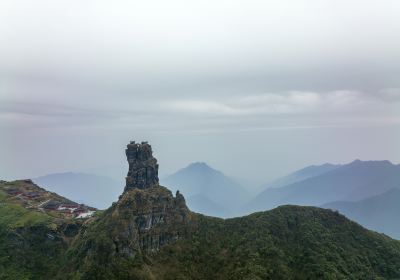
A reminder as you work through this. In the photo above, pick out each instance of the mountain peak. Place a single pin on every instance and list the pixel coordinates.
(199, 165)
(356, 161)
(200, 169)
(143, 167)
(371, 162)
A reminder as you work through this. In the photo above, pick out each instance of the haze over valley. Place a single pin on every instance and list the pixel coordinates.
(365, 191)
(224, 139)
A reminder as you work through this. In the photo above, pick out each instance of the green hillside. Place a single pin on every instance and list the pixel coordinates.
(289, 242)
(149, 233)
(32, 241)
(29, 248)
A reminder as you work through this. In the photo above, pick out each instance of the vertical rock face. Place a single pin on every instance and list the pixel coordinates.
(143, 167)
(147, 215)
(149, 219)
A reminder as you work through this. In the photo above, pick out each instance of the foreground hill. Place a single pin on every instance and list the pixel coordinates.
(208, 191)
(34, 234)
(94, 190)
(28, 195)
(380, 212)
(351, 182)
(151, 234)
(289, 242)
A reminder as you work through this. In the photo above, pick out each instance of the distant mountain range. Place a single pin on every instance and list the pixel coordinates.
(299, 175)
(380, 212)
(349, 182)
(94, 190)
(365, 191)
(207, 190)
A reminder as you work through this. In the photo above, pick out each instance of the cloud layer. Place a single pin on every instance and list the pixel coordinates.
(251, 111)
(306, 81)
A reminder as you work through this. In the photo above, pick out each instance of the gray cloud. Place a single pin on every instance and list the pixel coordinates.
(178, 47)
(286, 109)
(309, 79)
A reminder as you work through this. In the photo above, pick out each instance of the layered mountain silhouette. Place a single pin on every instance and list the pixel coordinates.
(98, 191)
(207, 191)
(365, 191)
(300, 175)
(350, 182)
(379, 212)
(149, 233)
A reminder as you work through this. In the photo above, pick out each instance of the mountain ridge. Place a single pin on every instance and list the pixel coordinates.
(379, 212)
(151, 234)
(300, 174)
(353, 181)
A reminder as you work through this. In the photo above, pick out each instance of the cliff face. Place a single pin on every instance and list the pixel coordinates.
(148, 213)
(146, 217)
(145, 220)
(143, 167)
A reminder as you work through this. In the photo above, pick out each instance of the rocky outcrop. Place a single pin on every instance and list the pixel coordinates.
(143, 167)
(149, 219)
(148, 213)
(146, 217)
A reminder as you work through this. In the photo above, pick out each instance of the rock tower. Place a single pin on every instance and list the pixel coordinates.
(143, 167)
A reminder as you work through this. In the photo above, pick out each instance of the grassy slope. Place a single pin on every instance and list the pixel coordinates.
(289, 242)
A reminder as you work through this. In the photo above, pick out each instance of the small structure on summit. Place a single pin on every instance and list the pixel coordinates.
(143, 167)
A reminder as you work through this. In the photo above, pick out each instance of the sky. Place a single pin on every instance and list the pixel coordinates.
(256, 89)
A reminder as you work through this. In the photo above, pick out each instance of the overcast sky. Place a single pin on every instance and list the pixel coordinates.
(256, 89)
